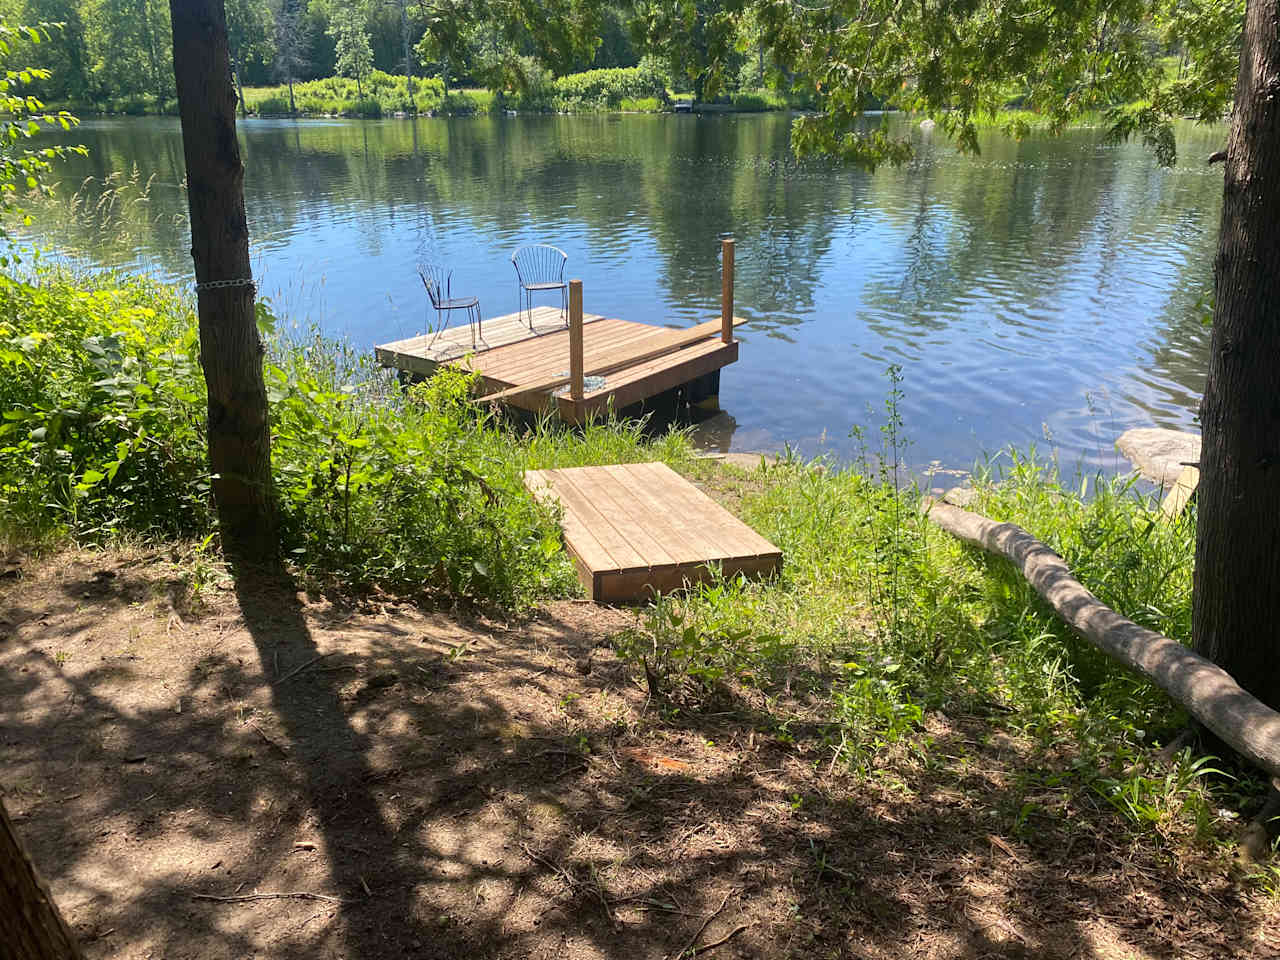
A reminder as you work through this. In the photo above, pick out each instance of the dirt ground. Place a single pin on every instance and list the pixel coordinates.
(438, 786)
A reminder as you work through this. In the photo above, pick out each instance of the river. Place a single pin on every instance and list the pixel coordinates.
(1049, 291)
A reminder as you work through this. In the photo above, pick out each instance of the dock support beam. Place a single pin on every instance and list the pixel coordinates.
(575, 340)
(726, 290)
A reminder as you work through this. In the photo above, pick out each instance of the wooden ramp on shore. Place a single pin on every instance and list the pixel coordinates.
(640, 528)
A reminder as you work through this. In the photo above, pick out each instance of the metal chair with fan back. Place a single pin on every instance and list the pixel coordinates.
(438, 282)
(540, 269)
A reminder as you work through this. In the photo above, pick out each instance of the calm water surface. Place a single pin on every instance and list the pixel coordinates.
(1049, 291)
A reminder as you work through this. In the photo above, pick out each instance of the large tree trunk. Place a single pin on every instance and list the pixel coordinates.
(1237, 580)
(230, 349)
(31, 928)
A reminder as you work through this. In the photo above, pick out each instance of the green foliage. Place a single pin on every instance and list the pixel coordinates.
(608, 88)
(384, 94)
(640, 105)
(959, 63)
(879, 621)
(353, 57)
(272, 105)
(22, 116)
(102, 408)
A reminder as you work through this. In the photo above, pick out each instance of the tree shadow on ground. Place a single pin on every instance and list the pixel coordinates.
(468, 787)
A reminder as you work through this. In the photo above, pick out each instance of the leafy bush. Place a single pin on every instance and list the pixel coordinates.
(273, 106)
(102, 408)
(607, 88)
(640, 104)
(384, 94)
(460, 103)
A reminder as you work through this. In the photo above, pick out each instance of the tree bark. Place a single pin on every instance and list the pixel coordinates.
(230, 348)
(408, 58)
(1204, 690)
(31, 928)
(235, 72)
(1236, 619)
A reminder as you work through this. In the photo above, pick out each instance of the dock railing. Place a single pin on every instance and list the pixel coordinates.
(575, 340)
(726, 290)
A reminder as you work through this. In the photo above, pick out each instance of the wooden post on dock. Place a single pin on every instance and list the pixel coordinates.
(726, 290)
(575, 339)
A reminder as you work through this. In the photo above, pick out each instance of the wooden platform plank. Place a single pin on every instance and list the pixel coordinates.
(422, 354)
(582, 542)
(729, 536)
(624, 555)
(638, 528)
(722, 534)
(530, 362)
(687, 543)
(637, 361)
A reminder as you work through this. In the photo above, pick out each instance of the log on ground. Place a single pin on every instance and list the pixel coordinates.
(1202, 688)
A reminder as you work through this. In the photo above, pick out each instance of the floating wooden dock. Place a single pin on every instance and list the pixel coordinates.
(579, 365)
(640, 528)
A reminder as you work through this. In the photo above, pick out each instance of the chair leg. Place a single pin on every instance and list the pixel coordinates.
(439, 328)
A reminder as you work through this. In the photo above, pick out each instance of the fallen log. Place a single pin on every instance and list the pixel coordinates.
(1202, 688)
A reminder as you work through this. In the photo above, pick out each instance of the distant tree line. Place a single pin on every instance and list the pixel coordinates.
(117, 54)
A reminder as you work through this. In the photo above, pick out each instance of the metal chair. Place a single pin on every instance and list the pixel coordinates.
(539, 268)
(438, 282)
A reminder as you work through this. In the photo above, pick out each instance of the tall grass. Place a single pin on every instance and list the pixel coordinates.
(880, 621)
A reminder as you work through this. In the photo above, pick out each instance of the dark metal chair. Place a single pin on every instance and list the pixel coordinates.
(437, 280)
(540, 268)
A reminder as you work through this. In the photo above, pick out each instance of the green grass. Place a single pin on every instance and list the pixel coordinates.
(881, 621)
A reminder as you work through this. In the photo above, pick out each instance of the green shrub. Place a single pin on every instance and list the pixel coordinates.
(102, 407)
(102, 411)
(314, 106)
(275, 106)
(384, 94)
(460, 103)
(607, 88)
(640, 104)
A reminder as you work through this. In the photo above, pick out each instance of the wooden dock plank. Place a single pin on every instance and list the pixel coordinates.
(624, 554)
(638, 528)
(686, 542)
(422, 356)
(586, 550)
(728, 535)
(637, 361)
(630, 387)
(641, 529)
(519, 363)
